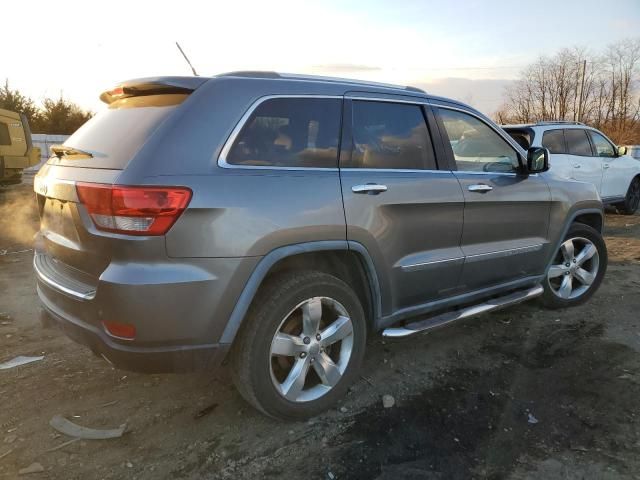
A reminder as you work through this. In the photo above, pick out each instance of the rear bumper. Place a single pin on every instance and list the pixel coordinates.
(179, 309)
(156, 359)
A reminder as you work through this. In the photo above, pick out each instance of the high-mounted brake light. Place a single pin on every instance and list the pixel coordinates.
(133, 210)
(117, 92)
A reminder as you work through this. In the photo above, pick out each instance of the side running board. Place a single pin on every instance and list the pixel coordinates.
(448, 317)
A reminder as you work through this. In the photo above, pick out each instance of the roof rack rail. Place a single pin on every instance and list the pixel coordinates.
(562, 122)
(317, 78)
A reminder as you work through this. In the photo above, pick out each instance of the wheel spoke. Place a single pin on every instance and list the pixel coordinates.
(586, 253)
(567, 250)
(327, 370)
(294, 383)
(338, 330)
(311, 315)
(556, 271)
(585, 277)
(566, 287)
(287, 345)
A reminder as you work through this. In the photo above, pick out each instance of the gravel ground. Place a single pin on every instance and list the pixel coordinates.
(522, 393)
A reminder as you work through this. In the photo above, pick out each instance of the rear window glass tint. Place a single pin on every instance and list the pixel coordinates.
(390, 135)
(553, 140)
(578, 142)
(5, 139)
(290, 132)
(115, 135)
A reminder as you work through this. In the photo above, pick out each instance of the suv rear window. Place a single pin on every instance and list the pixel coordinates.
(578, 142)
(115, 135)
(290, 132)
(390, 135)
(553, 140)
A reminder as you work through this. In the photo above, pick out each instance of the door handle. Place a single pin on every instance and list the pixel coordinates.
(606, 165)
(576, 165)
(480, 188)
(370, 188)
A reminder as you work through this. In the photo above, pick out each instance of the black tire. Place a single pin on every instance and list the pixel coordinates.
(251, 360)
(578, 230)
(632, 200)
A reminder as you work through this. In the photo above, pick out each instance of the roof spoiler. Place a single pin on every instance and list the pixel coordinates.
(152, 86)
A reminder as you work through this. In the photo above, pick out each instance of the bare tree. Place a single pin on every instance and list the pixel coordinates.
(600, 90)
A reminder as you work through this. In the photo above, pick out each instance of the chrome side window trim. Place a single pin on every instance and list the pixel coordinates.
(418, 101)
(508, 174)
(224, 153)
(393, 170)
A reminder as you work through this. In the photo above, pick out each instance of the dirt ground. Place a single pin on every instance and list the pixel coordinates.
(523, 393)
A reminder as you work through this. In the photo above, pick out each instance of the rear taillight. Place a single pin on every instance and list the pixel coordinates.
(133, 210)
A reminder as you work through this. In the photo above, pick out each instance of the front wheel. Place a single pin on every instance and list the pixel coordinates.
(631, 200)
(577, 268)
(300, 346)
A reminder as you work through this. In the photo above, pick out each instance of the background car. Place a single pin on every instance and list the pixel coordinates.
(634, 151)
(582, 153)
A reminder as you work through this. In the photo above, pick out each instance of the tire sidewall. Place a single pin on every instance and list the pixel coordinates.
(549, 298)
(270, 399)
(630, 209)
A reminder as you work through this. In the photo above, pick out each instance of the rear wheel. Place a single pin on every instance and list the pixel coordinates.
(300, 346)
(632, 200)
(577, 268)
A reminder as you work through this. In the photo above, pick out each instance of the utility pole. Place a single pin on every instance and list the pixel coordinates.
(584, 71)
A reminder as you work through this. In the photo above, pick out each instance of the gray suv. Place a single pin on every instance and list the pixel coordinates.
(273, 220)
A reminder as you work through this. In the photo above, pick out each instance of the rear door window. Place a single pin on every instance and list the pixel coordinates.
(602, 145)
(290, 132)
(577, 142)
(390, 136)
(553, 140)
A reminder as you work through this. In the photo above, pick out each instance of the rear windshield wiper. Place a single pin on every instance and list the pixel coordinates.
(65, 151)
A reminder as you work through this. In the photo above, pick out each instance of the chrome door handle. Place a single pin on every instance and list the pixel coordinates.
(372, 188)
(480, 188)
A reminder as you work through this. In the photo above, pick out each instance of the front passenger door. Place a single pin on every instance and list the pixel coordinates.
(506, 213)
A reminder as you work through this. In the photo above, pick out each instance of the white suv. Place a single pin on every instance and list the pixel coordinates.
(582, 153)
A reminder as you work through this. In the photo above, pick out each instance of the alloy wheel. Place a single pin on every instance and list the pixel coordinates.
(574, 269)
(311, 349)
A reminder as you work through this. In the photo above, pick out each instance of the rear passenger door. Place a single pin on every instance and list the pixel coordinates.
(586, 166)
(506, 214)
(559, 164)
(406, 212)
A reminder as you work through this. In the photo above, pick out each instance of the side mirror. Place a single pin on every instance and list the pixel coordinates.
(537, 160)
(622, 151)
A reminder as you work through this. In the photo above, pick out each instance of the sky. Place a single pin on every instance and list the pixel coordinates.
(469, 50)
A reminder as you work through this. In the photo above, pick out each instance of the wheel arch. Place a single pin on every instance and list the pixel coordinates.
(349, 261)
(587, 216)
